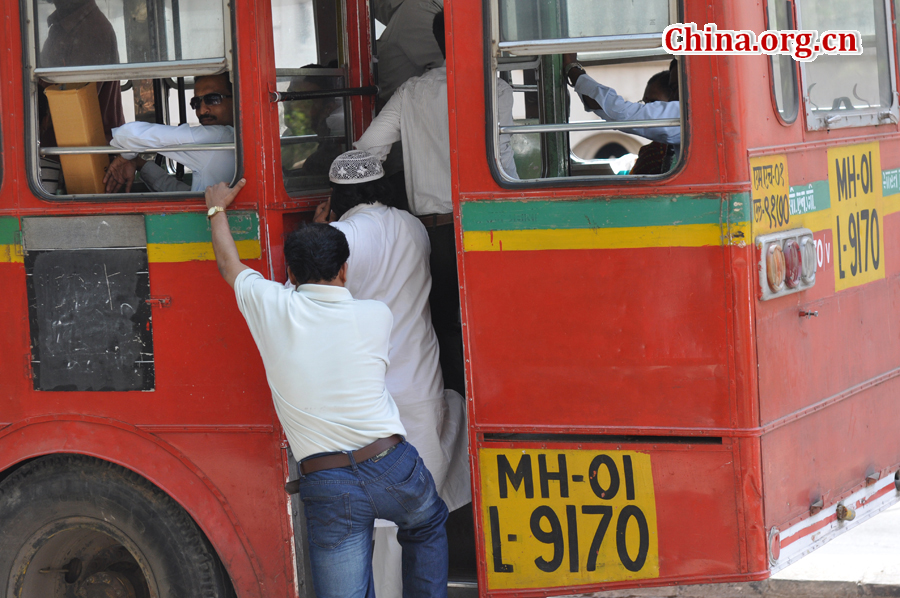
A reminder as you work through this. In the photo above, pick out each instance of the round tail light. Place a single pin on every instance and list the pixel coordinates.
(808, 250)
(775, 267)
(793, 263)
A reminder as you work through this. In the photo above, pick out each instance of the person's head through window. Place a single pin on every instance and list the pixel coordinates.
(659, 90)
(212, 100)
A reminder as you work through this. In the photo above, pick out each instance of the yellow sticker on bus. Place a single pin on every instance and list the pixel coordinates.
(857, 209)
(770, 193)
(566, 518)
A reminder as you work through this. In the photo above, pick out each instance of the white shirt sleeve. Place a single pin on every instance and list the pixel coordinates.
(385, 129)
(258, 303)
(505, 109)
(140, 137)
(614, 107)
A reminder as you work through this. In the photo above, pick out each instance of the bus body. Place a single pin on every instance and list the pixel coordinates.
(644, 406)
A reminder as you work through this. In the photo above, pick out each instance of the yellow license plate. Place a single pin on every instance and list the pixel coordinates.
(565, 518)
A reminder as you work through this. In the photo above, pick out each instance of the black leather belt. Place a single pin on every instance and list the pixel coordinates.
(433, 220)
(335, 460)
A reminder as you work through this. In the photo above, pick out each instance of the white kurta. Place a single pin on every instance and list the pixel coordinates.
(614, 107)
(208, 167)
(389, 252)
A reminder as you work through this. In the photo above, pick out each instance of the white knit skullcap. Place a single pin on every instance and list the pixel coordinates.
(355, 166)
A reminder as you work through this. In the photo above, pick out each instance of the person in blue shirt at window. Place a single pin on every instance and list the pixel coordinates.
(610, 106)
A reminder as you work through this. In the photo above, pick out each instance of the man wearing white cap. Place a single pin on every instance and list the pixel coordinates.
(389, 262)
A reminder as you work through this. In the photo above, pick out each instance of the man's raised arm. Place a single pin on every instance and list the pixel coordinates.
(227, 257)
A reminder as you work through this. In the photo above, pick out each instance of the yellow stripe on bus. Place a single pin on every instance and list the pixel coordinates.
(8, 254)
(164, 252)
(814, 221)
(189, 252)
(689, 235)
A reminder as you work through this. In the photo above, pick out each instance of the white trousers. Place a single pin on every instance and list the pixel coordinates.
(386, 563)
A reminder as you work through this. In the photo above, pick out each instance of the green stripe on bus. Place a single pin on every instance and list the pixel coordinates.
(591, 213)
(890, 182)
(194, 227)
(9, 226)
(813, 197)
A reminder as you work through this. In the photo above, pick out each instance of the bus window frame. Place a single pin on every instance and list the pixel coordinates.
(864, 117)
(343, 70)
(152, 70)
(795, 77)
(491, 20)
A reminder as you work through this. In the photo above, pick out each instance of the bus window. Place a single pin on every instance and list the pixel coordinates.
(100, 66)
(555, 132)
(780, 16)
(850, 90)
(309, 60)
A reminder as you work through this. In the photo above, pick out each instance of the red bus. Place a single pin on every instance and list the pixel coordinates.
(682, 377)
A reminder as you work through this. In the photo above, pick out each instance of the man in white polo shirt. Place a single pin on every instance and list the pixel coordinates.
(326, 355)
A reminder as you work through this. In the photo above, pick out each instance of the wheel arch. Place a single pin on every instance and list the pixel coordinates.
(153, 459)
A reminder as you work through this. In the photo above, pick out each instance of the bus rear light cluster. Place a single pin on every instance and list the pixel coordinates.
(787, 262)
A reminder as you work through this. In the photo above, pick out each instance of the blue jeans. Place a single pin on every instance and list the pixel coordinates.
(341, 506)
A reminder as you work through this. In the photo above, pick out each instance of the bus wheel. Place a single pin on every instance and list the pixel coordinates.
(76, 526)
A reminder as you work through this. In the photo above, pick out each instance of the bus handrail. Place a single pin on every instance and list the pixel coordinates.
(294, 96)
(295, 139)
(590, 126)
(636, 41)
(108, 149)
(136, 70)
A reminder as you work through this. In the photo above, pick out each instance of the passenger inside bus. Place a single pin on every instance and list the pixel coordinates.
(405, 49)
(322, 117)
(607, 104)
(214, 108)
(81, 35)
(657, 157)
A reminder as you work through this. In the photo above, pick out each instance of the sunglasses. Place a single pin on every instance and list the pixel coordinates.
(211, 99)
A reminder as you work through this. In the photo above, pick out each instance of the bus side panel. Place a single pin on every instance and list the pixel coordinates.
(14, 339)
(205, 355)
(854, 339)
(246, 468)
(828, 454)
(615, 337)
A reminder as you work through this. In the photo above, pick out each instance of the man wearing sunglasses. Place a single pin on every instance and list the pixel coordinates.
(214, 107)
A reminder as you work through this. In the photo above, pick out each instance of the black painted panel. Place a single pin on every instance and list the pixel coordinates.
(90, 325)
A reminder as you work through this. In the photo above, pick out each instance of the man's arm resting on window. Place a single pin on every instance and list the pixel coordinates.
(227, 258)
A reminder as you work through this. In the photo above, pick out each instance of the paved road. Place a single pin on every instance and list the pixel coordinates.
(862, 562)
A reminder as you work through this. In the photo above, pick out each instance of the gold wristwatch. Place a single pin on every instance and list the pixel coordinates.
(214, 210)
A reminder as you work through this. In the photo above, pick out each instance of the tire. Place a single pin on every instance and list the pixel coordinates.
(72, 525)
